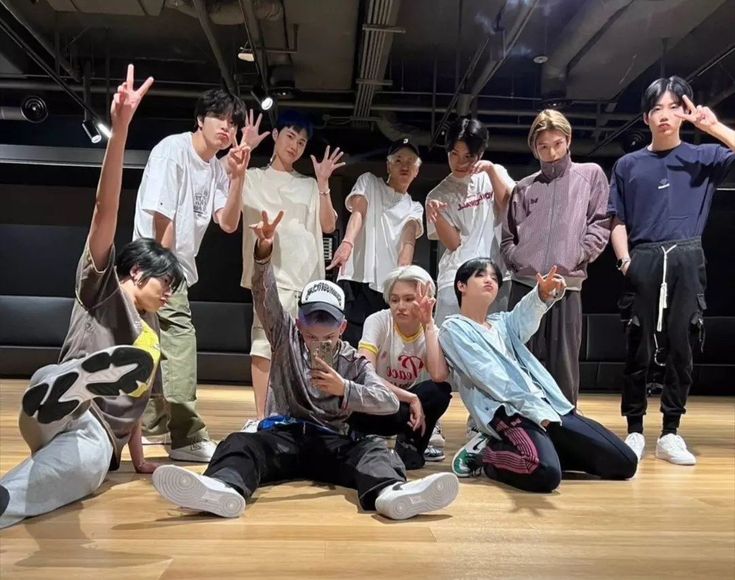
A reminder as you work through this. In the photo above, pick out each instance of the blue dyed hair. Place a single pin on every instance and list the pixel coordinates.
(296, 121)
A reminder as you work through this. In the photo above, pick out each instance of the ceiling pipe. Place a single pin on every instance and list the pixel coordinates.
(206, 25)
(62, 62)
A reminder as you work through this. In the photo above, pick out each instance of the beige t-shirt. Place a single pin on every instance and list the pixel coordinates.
(298, 254)
(104, 316)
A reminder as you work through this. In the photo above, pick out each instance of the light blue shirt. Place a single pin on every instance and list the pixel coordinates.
(488, 378)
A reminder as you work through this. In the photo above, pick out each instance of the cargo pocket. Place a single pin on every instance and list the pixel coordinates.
(696, 325)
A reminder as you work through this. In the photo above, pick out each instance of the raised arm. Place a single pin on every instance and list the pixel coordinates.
(107, 203)
(424, 309)
(704, 119)
(407, 244)
(445, 231)
(238, 158)
(323, 171)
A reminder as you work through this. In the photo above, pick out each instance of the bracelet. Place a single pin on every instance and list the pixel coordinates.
(325, 193)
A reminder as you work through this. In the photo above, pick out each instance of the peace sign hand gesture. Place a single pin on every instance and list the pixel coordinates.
(250, 135)
(265, 232)
(126, 100)
(423, 306)
(551, 286)
(701, 117)
(238, 159)
(323, 169)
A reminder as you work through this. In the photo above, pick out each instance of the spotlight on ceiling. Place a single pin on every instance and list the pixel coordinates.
(104, 129)
(265, 101)
(91, 130)
(540, 59)
(34, 109)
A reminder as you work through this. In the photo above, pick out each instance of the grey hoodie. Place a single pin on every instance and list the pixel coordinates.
(557, 216)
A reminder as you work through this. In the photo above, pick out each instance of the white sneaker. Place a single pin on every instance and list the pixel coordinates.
(432, 453)
(637, 443)
(437, 437)
(200, 452)
(467, 461)
(406, 500)
(250, 426)
(673, 449)
(162, 439)
(190, 490)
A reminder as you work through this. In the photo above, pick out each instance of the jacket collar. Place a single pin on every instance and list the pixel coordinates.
(556, 168)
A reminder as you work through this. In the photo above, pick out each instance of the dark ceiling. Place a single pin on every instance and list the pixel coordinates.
(371, 70)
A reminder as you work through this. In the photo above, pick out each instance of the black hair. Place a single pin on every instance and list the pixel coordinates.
(220, 103)
(471, 132)
(677, 86)
(471, 268)
(319, 317)
(152, 258)
(296, 121)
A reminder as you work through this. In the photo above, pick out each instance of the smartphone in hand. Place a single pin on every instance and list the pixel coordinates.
(324, 350)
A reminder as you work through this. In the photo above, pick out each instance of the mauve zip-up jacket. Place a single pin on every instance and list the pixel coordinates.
(557, 216)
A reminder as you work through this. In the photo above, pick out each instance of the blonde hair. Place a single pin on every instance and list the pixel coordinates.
(411, 273)
(548, 120)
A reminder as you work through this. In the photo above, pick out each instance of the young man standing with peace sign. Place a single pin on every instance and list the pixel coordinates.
(660, 198)
(184, 186)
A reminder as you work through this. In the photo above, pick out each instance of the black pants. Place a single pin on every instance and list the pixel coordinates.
(303, 451)
(360, 302)
(682, 329)
(558, 339)
(531, 459)
(434, 399)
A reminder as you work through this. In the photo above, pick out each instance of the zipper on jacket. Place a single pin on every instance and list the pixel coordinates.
(551, 223)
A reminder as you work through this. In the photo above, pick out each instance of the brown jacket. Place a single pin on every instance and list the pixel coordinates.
(557, 216)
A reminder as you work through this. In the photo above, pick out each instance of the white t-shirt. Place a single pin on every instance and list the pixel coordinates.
(399, 359)
(472, 211)
(298, 254)
(181, 186)
(377, 245)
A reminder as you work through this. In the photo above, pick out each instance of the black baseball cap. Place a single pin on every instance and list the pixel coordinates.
(404, 143)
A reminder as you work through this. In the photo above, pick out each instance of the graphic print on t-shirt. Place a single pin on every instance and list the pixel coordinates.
(474, 201)
(406, 372)
(201, 203)
(148, 341)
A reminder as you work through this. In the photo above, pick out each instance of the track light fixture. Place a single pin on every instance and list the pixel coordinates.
(91, 130)
(265, 101)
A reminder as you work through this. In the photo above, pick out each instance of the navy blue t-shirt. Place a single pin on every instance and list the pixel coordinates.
(666, 195)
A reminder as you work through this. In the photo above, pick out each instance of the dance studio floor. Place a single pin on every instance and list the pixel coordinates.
(669, 522)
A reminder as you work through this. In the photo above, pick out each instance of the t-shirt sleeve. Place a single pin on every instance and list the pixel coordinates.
(362, 187)
(221, 186)
(505, 177)
(159, 188)
(417, 215)
(374, 332)
(616, 201)
(722, 162)
(93, 286)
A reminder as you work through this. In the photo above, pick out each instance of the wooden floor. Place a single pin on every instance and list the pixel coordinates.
(669, 522)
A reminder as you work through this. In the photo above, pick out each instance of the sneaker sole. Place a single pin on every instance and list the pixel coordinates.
(671, 460)
(187, 490)
(109, 373)
(178, 455)
(435, 492)
(435, 459)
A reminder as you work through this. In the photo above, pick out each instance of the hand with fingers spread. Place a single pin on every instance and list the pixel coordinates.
(417, 419)
(341, 256)
(265, 232)
(323, 169)
(701, 117)
(423, 306)
(250, 135)
(326, 379)
(434, 209)
(126, 99)
(551, 286)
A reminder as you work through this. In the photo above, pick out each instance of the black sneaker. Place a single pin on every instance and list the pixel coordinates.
(56, 391)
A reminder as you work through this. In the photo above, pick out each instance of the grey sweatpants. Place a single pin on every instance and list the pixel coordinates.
(558, 339)
(70, 459)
